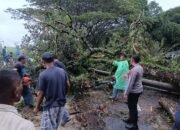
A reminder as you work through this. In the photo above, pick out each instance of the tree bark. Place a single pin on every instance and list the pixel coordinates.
(102, 72)
(167, 107)
(100, 50)
(162, 90)
(158, 84)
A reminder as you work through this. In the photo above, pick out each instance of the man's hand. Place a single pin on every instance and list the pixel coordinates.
(125, 77)
(113, 77)
(125, 97)
(40, 96)
(36, 110)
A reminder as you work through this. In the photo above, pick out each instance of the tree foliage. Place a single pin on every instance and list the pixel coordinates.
(76, 30)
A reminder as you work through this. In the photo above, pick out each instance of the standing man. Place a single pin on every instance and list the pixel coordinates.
(17, 51)
(10, 92)
(134, 90)
(27, 93)
(120, 75)
(11, 60)
(52, 85)
(66, 115)
(60, 64)
(4, 55)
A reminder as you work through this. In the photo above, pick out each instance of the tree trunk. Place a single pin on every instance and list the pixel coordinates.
(102, 72)
(158, 84)
(167, 107)
(162, 90)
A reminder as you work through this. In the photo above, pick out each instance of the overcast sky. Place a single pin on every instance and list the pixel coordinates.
(11, 31)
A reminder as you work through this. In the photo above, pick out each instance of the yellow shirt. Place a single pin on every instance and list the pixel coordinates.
(11, 120)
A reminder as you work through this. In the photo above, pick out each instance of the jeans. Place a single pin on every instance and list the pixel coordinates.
(27, 95)
(65, 116)
(132, 105)
(115, 93)
(4, 60)
(177, 119)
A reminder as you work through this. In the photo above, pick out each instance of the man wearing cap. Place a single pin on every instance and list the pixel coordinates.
(60, 64)
(52, 85)
(27, 93)
(66, 115)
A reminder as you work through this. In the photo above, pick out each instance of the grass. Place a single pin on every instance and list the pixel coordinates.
(11, 49)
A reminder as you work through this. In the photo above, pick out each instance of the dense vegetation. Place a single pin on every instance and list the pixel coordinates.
(90, 33)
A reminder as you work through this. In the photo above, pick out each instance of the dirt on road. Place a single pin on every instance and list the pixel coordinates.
(95, 111)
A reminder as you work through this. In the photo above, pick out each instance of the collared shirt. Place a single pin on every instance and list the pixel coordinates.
(11, 120)
(135, 80)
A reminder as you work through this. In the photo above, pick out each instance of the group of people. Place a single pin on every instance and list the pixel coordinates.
(53, 84)
(7, 58)
(130, 83)
(52, 88)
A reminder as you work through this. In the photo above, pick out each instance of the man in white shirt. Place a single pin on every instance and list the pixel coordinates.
(10, 92)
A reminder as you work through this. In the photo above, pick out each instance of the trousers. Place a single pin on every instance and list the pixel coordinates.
(27, 96)
(177, 119)
(52, 118)
(132, 105)
(65, 116)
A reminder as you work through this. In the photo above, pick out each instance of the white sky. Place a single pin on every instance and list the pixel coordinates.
(167, 4)
(11, 31)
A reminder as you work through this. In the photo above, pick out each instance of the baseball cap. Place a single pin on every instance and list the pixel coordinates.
(22, 57)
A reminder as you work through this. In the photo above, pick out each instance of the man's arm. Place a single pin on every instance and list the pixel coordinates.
(40, 98)
(41, 88)
(131, 82)
(68, 84)
(115, 63)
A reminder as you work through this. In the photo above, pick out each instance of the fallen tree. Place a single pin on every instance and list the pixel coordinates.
(150, 84)
(162, 75)
(154, 83)
(168, 107)
(101, 72)
(158, 84)
(100, 50)
(162, 90)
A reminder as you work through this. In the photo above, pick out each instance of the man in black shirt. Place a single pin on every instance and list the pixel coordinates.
(52, 86)
(60, 64)
(27, 93)
(66, 115)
